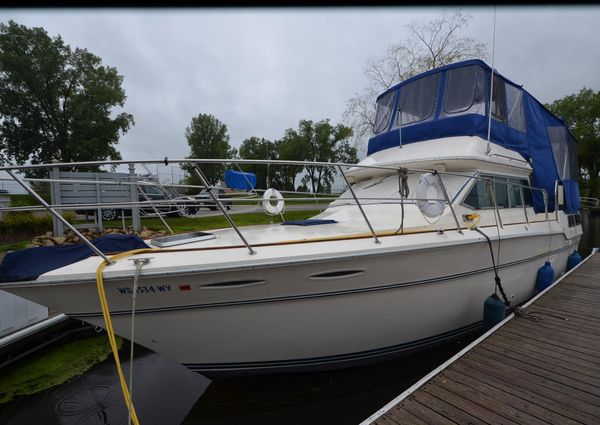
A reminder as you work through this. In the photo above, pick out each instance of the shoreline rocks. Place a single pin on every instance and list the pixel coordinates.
(48, 239)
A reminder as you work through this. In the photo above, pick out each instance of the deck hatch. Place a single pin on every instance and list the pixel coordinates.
(181, 239)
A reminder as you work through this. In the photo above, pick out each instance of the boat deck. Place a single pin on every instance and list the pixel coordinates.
(540, 368)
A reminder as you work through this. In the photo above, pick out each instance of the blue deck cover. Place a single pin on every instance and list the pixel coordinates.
(541, 138)
(240, 180)
(29, 263)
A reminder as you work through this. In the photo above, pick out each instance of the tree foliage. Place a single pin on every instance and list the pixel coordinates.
(208, 138)
(321, 142)
(56, 103)
(429, 45)
(581, 111)
(258, 148)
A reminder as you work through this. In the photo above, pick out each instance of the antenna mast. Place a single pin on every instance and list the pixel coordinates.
(489, 147)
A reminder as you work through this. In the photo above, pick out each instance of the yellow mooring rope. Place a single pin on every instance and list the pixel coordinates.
(109, 328)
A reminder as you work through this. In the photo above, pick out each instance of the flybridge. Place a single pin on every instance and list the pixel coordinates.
(454, 100)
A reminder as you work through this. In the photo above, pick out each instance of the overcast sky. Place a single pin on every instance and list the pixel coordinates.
(262, 70)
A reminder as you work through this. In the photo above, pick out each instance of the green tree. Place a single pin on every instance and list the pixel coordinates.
(56, 103)
(581, 111)
(259, 148)
(208, 139)
(321, 142)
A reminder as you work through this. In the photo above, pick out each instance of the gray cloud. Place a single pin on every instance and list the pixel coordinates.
(262, 70)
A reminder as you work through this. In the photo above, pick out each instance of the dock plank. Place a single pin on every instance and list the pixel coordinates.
(539, 368)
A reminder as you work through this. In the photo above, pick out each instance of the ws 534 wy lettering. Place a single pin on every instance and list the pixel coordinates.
(146, 289)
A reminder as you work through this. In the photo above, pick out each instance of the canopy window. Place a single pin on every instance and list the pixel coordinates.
(563, 149)
(417, 101)
(573, 158)
(498, 99)
(384, 111)
(514, 100)
(464, 91)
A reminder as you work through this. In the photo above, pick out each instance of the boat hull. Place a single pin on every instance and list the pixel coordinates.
(316, 315)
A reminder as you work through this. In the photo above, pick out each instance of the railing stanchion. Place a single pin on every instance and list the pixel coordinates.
(545, 193)
(449, 203)
(497, 212)
(58, 216)
(221, 207)
(358, 204)
(524, 206)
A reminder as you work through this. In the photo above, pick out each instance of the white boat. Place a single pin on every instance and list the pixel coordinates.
(389, 272)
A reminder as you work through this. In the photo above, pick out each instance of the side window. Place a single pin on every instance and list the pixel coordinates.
(514, 192)
(479, 196)
(501, 192)
(507, 195)
(527, 194)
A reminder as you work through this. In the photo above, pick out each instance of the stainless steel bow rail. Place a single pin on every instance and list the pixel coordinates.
(195, 166)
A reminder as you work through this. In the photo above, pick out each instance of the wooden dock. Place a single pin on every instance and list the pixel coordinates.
(540, 368)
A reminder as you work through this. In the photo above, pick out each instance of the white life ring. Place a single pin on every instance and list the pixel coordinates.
(430, 208)
(273, 195)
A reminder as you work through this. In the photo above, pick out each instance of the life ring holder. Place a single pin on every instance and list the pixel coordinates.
(430, 208)
(269, 196)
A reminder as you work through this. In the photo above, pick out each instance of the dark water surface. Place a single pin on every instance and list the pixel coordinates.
(167, 393)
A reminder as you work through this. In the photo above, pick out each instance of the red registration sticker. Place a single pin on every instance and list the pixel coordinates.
(185, 287)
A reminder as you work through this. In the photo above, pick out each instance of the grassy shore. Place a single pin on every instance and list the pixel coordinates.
(185, 224)
(52, 366)
(178, 224)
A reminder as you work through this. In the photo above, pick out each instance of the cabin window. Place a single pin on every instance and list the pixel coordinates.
(515, 186)
(479, 196)
(464, 91)
(506, 191)
(498, 99)
(501, 192)
(514, 100)
(574, 219)
(384, 111)
(417, 101)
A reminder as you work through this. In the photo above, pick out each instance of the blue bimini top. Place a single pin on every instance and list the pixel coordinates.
(29, 263)
(454, 101)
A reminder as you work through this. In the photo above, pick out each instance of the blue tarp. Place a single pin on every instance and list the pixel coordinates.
(240, 180)
(29, 263)
(572, 202)
(533, 143)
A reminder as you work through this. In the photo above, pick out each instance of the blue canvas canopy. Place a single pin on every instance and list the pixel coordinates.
(454, 101)
(240, 180)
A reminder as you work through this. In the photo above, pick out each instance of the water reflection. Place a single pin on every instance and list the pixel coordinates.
(164, 392)
(337, 397)
(591, 233)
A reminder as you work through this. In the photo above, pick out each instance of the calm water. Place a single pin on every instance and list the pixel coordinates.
(167, 393)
